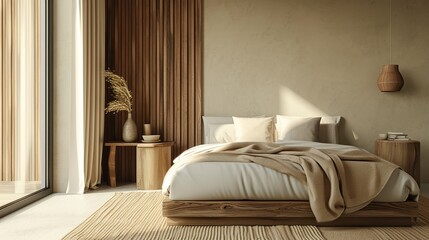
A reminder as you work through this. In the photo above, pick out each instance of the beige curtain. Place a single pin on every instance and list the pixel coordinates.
(19, 90)
(93, 46)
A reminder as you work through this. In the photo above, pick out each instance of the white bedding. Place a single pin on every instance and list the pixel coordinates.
(235, 181)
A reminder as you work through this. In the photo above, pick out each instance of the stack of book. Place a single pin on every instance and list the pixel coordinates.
(397, 136)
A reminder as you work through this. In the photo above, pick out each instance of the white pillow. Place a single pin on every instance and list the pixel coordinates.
(222, 133)
(254, 129)
(298, 128)
(212, 126)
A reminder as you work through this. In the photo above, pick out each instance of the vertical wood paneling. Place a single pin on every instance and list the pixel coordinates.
(184, 73)
(170, 123)
(156, 46)
(191, 74)
(198, 69)
(177, 80)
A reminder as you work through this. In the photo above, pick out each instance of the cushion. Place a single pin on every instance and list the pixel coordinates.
(222, 133)
(221, 129)
(329, 129)
(214, 130)
(254, 129)
(298, 128)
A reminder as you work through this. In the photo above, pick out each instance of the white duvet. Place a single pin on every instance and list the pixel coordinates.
(236, 181)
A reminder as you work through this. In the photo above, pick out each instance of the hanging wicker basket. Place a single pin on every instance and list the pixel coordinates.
(390, 79)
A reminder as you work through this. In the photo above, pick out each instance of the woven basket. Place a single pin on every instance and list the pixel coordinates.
(390, 79)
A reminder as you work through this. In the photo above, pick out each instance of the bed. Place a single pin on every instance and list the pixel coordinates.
(246, 193)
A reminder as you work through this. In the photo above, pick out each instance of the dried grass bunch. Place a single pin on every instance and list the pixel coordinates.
(121, 93)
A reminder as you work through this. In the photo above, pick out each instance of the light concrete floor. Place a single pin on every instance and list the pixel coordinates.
(56, 215)
(13, 190)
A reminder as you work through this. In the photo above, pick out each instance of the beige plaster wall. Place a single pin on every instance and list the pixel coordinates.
(320, 58)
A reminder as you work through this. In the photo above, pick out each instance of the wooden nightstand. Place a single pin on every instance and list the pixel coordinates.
(153, 161)
(112, 155)
(405, 154)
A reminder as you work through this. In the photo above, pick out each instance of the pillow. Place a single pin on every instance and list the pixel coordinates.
(329, 128)
(221, 133)
(221, 129)
(254, 129)
(213, 129)
(298, 128)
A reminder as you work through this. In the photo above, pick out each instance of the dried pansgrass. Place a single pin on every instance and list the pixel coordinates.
(121, 93)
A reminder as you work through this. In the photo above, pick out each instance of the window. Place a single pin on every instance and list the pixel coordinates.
(24, 102)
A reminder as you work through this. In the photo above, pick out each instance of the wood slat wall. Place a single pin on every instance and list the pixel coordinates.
(156, 45)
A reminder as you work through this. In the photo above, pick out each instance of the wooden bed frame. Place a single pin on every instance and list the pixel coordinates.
(282, 213)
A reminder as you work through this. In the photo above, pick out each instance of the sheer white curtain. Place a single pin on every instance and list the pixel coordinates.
(78, 94)
(20, 90)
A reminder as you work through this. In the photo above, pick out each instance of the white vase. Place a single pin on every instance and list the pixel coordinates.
(129, 130)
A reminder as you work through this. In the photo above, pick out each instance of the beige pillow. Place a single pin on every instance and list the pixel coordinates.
(298, 128)
(224, 133)
(254, 129)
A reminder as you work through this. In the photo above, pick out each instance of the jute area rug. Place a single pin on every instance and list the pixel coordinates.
(138, 215)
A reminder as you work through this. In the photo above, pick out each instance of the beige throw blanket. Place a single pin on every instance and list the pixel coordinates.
(338, 182)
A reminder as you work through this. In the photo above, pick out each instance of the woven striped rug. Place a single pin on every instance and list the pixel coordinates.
(418, 232)
(138, 215)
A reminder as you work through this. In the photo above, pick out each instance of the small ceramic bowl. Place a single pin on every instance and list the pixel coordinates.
(382, 136)
(151, 138)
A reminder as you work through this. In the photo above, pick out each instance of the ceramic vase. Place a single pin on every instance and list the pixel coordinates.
(129, 130)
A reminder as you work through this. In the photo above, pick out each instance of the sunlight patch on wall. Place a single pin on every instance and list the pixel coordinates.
(293, 104)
